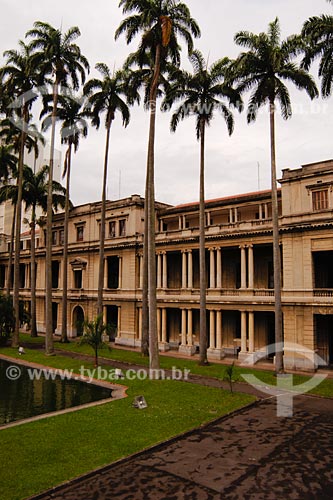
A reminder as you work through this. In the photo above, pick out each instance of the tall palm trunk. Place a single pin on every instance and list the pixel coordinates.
(154, 363)
(64, 337)
(49, 347)
(15, 338)
(10, 256)
(102, 232)
(276, 249)
(33, 273)
(145, 309)
(202, 250)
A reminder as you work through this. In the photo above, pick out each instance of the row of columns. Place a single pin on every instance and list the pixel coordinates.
(215, 275)
(161, 324)
(247, 331)
(247, 266)
(215, 331)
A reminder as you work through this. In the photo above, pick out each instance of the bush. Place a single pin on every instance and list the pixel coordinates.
(7, 319)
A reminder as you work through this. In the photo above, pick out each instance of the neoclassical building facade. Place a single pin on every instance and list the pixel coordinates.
(239, 263)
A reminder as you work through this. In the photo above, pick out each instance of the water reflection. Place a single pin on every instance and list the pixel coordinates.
(24, 398)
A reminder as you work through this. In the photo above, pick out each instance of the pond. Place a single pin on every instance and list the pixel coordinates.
(27, 397)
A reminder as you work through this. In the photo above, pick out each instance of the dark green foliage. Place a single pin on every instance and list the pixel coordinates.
(93, 335)
(7, 318)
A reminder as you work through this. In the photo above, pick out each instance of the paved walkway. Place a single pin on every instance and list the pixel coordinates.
(252, 454)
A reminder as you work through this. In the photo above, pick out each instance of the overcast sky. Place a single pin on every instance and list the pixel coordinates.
(231, 162)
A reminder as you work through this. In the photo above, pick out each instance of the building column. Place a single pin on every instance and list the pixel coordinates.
(180, 222)
(158, 324)
(105, 272)
(212, 268)
(165, 270)
(266, 210)
(164, 325)
(243, 266)
(251, 331)
(243, 332)
(140, 323)
(208, 218)
(140, 270)
(231, 216)
(184, 269)
(218, 268)
(212, 344)
(159, 270)
(187, 346)
(189, 328)
(28, 277)
(260, 211)
(190, 270)
(235, 215)
(120, 280)
(218, 330)
(251, 266)
(183, 332)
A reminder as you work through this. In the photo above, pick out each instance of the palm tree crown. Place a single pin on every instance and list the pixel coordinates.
(73, 119)
(108, 95)
(57, 54)
(266, 65)
(162, 22)
(202, 93)
(318, 35)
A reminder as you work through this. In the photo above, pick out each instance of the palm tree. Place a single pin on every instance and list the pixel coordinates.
(34, 194)
(12, 137)
(161, 22)
(20, 78)
(107, 96)
(93, 335)
(201, 94)
(35, 189)
(141, 78)
(74, 126)
(56, 54)
(318, 35)
(263, 69)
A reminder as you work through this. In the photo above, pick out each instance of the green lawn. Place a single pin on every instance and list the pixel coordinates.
(39, 455)
(215, 370)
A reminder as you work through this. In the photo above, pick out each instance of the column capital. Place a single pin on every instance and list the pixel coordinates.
(242, 246)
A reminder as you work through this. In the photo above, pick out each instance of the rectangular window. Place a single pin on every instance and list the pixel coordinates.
(78, 278)
(28, 244)
(55, 273)
(122, 227)
(37, 242)
(320, 199)
(61, 237)
(112, 229)
(79, 233)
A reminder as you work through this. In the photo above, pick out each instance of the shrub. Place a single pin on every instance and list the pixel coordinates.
(7, 319)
